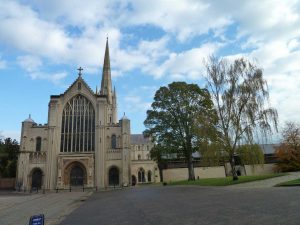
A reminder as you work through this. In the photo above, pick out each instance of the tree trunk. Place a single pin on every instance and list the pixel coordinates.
(233, 171)
(191, 168)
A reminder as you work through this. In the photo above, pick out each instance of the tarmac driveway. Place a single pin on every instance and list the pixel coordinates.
(190, 205)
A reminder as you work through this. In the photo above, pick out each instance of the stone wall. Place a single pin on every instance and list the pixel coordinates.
(7, 183)
(203, 172)
(259, 169)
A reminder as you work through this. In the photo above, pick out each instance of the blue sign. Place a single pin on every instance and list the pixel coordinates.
(37, 220)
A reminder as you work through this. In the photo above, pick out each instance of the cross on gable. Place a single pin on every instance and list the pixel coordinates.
(80, 69)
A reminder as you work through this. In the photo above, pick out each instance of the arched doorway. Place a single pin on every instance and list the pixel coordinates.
(77, 176)
(113, 176)
(36, 179)
(133, 180)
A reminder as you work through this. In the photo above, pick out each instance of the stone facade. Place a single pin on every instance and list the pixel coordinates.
(83, 142)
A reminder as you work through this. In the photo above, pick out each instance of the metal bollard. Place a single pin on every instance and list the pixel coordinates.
(70, 189)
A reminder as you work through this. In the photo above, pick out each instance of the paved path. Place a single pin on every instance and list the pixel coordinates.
(16, 209)
(268, 182)
(190, 205)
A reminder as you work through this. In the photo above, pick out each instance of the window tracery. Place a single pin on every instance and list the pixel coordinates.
(78, 126)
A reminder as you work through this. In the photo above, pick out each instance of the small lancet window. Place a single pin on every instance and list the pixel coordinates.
(38, 145)
(113, 141)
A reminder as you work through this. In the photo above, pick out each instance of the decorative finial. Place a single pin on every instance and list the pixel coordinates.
(124, 113)
(79, 69)
(107, 36)
(29, 116)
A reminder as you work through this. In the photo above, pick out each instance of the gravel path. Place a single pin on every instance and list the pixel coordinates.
(268, 182)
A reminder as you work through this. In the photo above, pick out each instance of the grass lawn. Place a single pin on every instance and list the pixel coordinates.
(289, 183)
(224, 181)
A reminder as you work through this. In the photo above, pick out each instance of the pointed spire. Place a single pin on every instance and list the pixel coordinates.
(106, 88)
(96, 89)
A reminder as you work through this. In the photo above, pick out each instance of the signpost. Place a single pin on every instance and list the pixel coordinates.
(37, 220)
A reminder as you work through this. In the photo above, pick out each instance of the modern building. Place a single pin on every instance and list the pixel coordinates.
(84, 142)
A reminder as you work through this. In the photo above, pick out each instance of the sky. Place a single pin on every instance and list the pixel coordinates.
(152, 43)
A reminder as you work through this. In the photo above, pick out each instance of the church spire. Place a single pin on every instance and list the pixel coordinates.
(106, 88)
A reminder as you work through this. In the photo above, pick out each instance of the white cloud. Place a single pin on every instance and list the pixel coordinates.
(43, 33)
(184, 18)
(2, 64)
(185, 65)
(30, 63)
(53, 77)
(135, 103)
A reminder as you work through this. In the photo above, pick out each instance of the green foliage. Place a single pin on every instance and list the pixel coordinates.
(178, 112)
(289, 183)
(224, 181)
(9, 150)
(211, 154)
(250, 154)
(288, 153)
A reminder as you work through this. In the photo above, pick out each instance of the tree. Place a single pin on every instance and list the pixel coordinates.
(156, 154)
(250, 154)
(288, 152)
(178, 112)
(240, 95)
(9, 150)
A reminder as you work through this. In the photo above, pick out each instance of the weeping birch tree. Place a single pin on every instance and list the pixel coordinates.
(241, 98)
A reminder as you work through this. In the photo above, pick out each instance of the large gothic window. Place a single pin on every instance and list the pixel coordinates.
(78, 126)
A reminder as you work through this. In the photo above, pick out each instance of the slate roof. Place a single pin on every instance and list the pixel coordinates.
(139, 139)
(269, 148)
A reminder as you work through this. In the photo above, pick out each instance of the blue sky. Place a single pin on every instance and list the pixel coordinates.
(152, 43)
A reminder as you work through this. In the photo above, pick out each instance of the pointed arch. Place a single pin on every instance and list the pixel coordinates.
(75, 174)
(36, 178)
(113, 176)
(78, 125)
(141, 175)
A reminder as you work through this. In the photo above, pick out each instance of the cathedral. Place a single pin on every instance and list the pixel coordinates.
(84, 143)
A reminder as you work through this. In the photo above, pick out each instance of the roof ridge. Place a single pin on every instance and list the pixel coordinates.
(84, 82)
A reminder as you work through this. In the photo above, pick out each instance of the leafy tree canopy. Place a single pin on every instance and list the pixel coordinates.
(288, 152)
(9, 150)
(178, 112)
